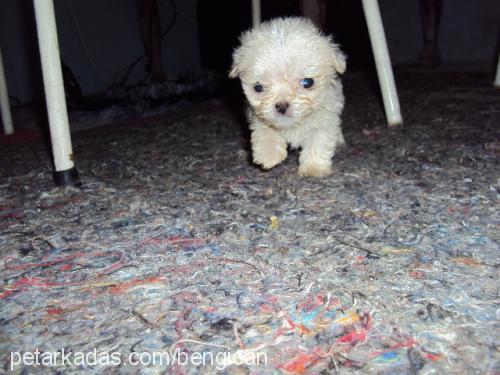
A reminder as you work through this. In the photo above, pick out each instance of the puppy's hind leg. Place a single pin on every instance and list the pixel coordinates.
(268, 146)
(316, 157)
(339, 137)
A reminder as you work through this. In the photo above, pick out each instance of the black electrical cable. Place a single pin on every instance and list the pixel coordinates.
(15, 99)
(162, 35)
(172, 22)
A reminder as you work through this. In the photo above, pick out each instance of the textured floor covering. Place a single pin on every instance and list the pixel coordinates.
(177, 244)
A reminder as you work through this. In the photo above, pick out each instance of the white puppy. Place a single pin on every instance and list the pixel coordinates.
(289, 73)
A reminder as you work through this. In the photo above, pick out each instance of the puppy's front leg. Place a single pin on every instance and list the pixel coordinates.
(268, 146)
(316, 157)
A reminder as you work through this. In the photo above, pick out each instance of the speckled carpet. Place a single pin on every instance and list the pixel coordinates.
(177, 249)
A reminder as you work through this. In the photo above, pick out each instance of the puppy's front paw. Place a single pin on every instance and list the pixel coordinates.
(269, 154)
(340, 142)
(314, 170)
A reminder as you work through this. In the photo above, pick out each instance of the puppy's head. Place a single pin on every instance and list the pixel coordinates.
(286, 67)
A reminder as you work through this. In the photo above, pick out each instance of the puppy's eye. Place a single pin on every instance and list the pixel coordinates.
(307, 83)
(258, 87)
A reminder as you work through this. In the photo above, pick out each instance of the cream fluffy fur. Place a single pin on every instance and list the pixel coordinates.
(278, 55)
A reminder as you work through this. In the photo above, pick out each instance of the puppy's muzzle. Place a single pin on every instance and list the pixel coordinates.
(282, 107)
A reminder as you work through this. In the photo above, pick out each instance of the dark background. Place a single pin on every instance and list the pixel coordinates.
(100, 40)
(350, 31)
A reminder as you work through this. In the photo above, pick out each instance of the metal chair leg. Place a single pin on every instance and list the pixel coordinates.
(65, 171)
(4, 101)
(256, 12)
(497, 78)
(383, 62)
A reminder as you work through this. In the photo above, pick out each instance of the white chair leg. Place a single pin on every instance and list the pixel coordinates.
(4, 101)
(497, 78)
(65, 171)
(382, 62)
(256, 12)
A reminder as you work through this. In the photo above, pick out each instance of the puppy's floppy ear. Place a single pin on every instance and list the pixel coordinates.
(338, 58)
(236, 68)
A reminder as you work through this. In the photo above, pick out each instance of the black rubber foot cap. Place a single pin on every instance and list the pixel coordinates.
(69, 177)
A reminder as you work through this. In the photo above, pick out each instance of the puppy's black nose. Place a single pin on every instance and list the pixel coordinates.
(282, 107)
